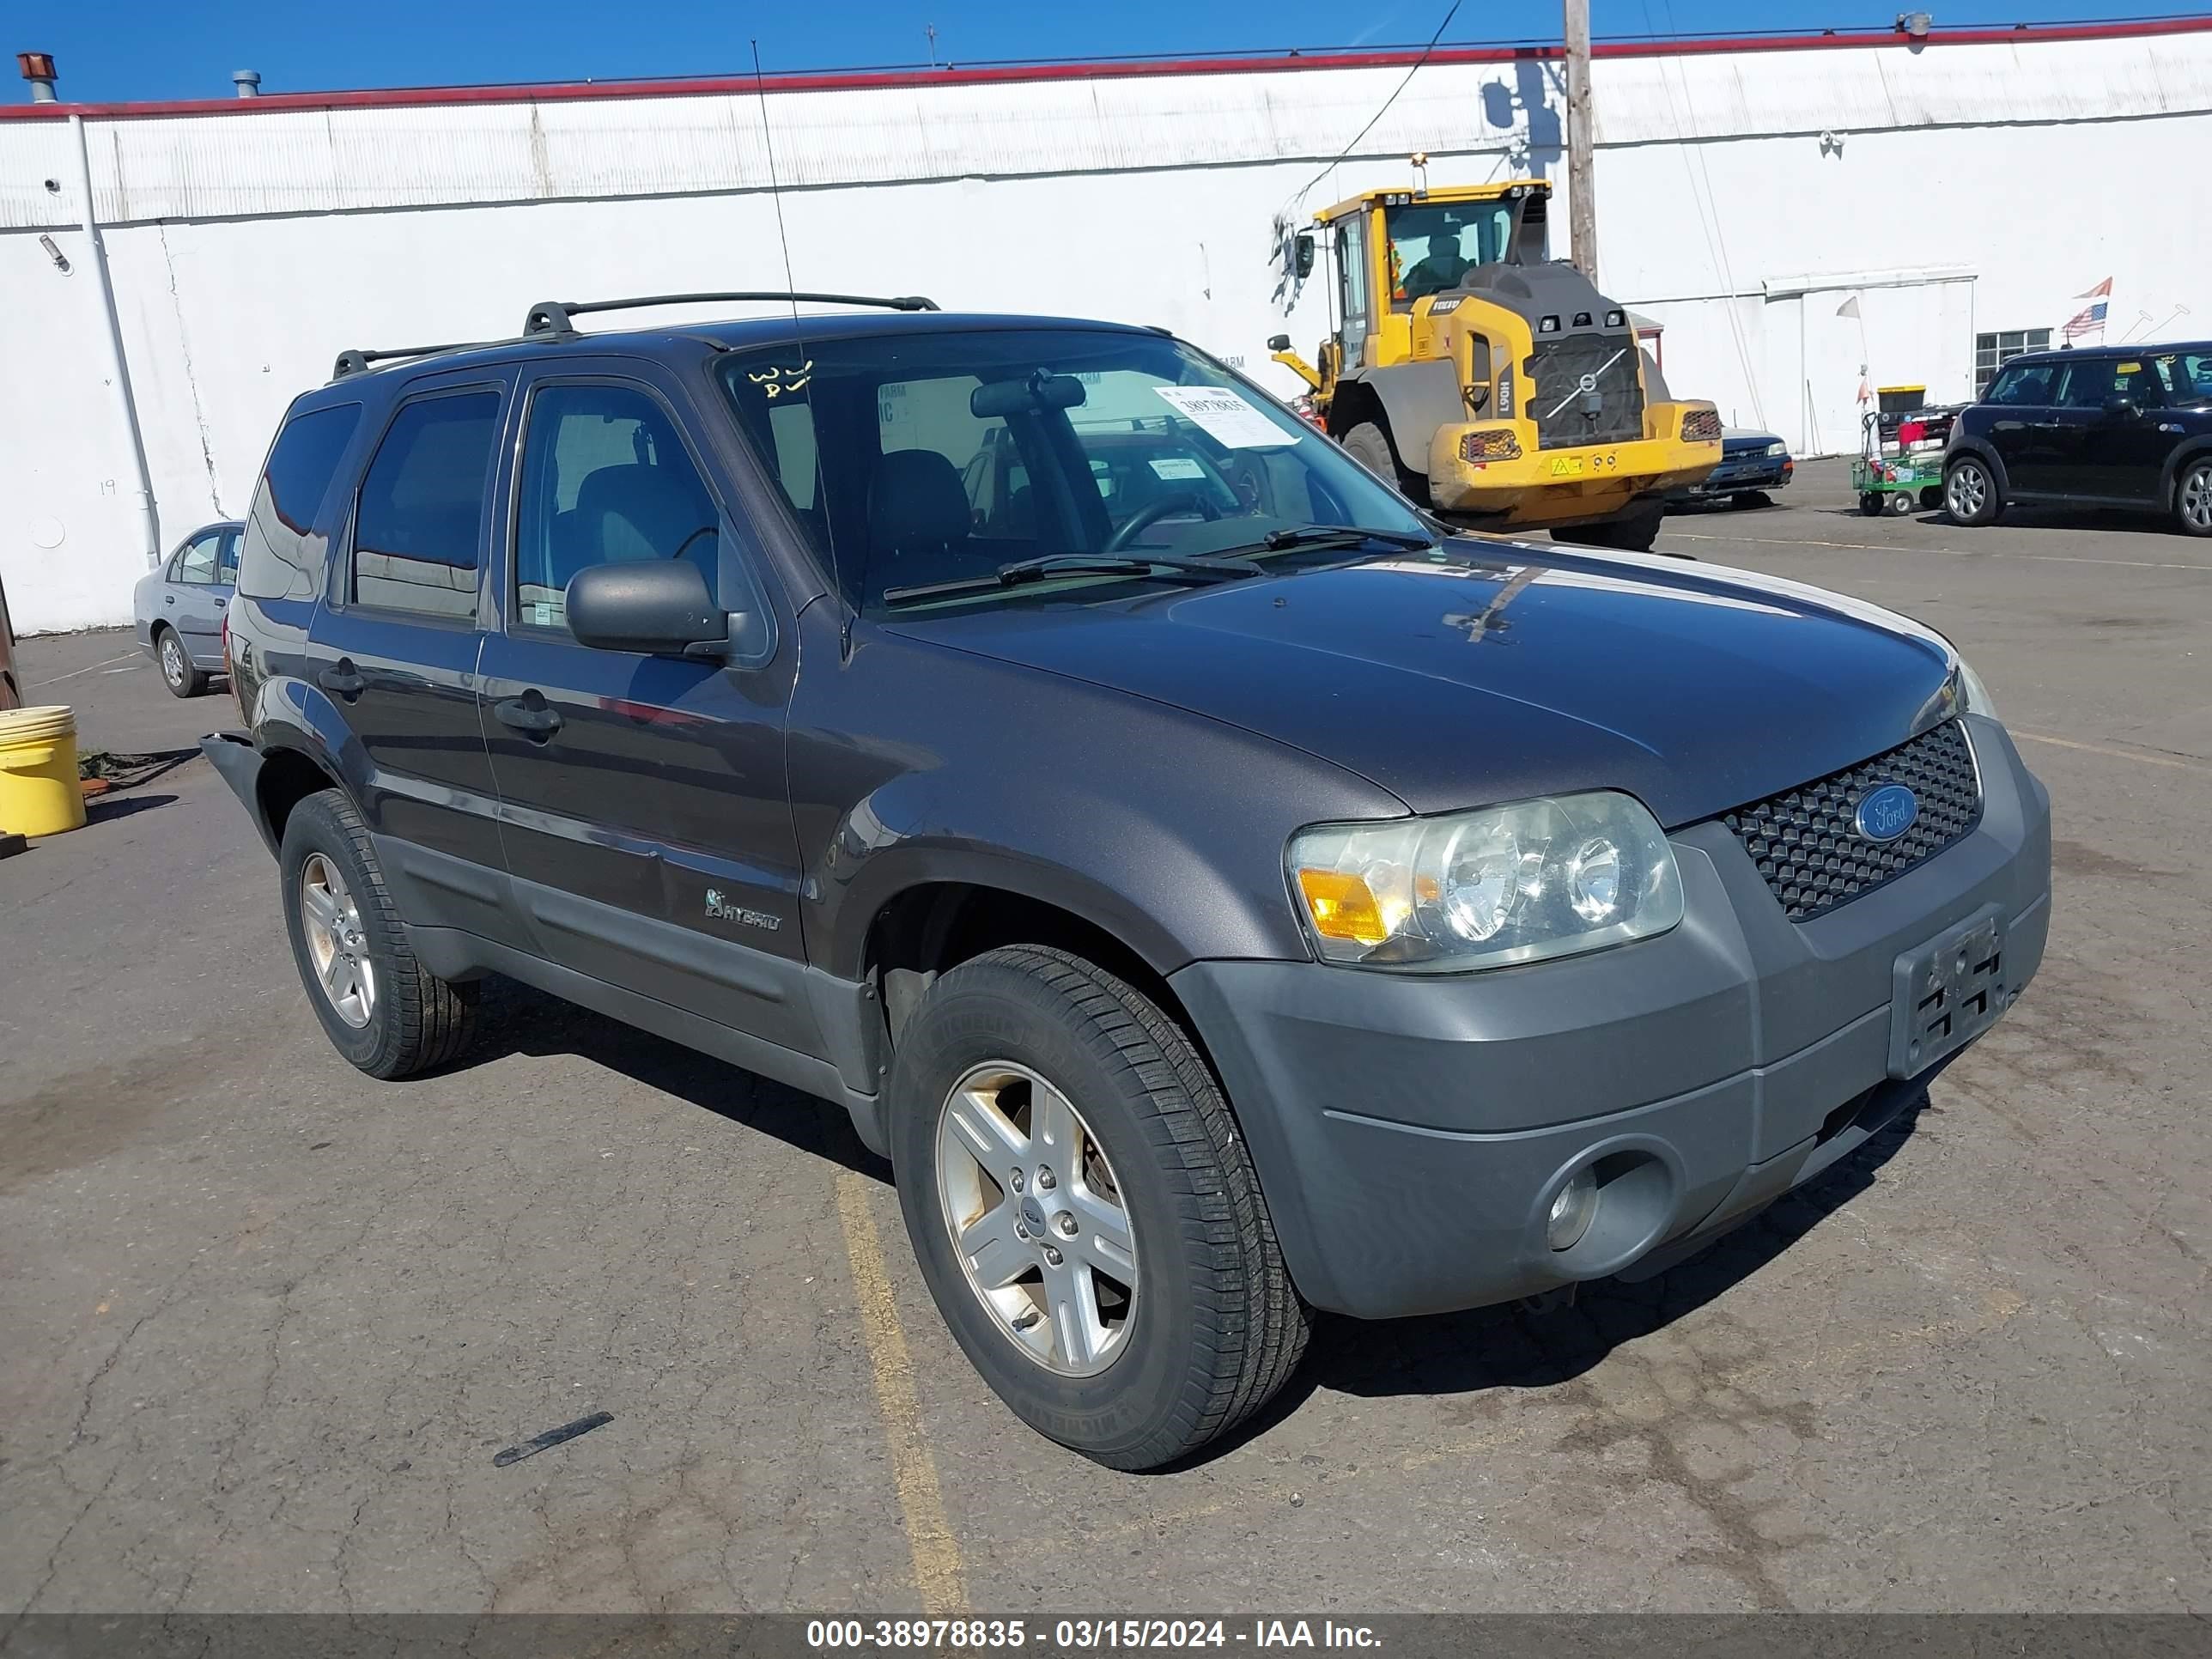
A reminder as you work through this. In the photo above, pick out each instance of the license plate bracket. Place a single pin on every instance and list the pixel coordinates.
(1947, 993)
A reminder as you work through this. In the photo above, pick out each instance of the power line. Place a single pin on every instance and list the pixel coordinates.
(1386, 102)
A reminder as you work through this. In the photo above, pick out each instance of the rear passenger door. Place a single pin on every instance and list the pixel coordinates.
(193, 596)
(643, 802)
(395, 647)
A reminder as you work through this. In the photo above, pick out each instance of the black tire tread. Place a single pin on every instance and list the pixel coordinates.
(1253, 1325)
(431, 1018)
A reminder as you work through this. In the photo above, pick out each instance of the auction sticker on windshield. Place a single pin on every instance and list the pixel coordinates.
(1225, 417)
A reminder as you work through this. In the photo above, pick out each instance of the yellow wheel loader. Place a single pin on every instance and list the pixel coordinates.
(1497, 386)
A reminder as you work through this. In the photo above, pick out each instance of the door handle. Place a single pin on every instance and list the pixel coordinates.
(342, 680)
(533, 720)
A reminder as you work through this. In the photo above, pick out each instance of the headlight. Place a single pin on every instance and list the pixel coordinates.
(1776, 448)
(1479, 889)
(1973, 695)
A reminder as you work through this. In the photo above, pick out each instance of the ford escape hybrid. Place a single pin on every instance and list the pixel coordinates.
(1221, 892)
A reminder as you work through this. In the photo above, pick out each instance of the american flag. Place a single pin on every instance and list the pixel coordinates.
(2090, 320)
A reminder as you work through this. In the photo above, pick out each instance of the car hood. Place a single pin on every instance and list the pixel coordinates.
(1492, 671)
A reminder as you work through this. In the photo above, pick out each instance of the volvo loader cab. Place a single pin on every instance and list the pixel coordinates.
(1493, 383)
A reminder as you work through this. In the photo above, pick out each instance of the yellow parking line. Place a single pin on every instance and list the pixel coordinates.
(2178, 764)
(937, 1572)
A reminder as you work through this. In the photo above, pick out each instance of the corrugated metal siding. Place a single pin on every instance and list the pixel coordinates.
(289, 161)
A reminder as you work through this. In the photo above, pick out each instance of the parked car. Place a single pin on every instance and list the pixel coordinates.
(180, 606)
(2114, 426)
(1213, 916)
(1753, 465)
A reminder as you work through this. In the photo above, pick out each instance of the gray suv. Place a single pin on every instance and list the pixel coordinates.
(1221, 891)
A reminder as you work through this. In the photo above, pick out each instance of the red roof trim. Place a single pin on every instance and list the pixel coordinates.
(1104, 70)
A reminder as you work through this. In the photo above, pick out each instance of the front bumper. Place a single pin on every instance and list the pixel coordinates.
(1547, 487)
(1732, 478)
(1410, 1133)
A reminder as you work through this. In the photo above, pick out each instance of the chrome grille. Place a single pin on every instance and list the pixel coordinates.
(1806, 844)
(1610, 410)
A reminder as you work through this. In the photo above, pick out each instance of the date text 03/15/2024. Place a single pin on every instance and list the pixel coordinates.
(1084, 1635)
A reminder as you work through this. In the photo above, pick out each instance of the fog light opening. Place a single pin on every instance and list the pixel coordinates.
(1572, 1211)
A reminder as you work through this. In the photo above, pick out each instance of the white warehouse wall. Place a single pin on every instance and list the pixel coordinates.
(1958, 188)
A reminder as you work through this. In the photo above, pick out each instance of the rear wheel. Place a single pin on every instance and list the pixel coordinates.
(1969, 491)
(1870, 503)
(176, 670)
(1083, 1211)
(1902, 502)
(2192, 497)
(1369, 445)
(381, 1007)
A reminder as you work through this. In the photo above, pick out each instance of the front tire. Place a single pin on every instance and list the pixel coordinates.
(1970, 492)
(2192, 497)
(1369, 445)
(1901, 501)
(1083, 1211)
(381, 1007)
(176, 670)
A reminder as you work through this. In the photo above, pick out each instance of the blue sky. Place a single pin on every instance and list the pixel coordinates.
(133, 49)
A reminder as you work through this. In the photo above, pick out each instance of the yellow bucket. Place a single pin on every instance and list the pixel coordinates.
(39, 790)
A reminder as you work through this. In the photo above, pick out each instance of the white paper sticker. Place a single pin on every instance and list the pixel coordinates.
(1225, 417)
(541, 614)
(1178, 467)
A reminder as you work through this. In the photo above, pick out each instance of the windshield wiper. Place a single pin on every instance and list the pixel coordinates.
(1157, 567)
(1333, 535)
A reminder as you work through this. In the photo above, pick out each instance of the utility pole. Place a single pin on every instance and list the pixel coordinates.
(1582, 186)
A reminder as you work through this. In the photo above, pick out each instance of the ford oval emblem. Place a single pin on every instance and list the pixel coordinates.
(1887, 812)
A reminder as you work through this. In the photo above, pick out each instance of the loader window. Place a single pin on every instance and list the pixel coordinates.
(1434, 244)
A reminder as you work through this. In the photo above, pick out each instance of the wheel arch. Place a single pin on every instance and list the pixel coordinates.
(1981, 451)
(2186, 453)
(288, 773)
(935, 923)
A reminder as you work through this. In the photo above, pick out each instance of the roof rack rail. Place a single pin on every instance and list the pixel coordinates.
(355, 360)
(552, 316)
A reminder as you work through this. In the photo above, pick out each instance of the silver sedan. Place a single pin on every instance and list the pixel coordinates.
(180, 606)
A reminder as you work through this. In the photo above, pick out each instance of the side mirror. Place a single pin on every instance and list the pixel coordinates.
(2121, 409)
(1303, 254)
(1278, 343)
(660, 607)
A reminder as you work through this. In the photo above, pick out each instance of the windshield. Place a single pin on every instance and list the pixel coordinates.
(1434, 244)
(917, 458)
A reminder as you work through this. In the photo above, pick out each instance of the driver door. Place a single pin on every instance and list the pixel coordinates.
(642, 799)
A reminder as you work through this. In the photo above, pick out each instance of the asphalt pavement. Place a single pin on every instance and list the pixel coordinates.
(269, 1324)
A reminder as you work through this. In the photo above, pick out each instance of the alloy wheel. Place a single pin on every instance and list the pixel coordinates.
(173, 660)
(2197, 498)
(1036, 1218)
(337, 946)
(1968, 491)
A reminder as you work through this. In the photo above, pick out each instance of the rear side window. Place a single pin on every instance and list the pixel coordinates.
(2024, 384)
(418, 527)
(280, 558)
(195, 564)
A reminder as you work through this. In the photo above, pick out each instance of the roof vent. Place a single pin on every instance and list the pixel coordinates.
(248, 82)
(37, 68)
(1914, 23)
